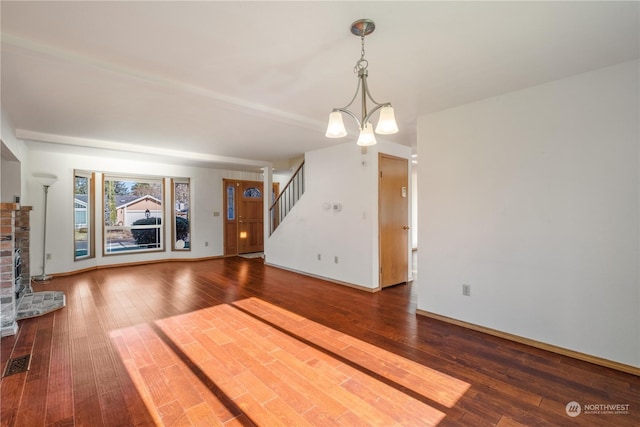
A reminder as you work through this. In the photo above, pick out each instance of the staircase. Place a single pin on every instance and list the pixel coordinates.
(287, 198)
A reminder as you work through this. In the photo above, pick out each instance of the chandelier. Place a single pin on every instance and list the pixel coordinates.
(386, 122)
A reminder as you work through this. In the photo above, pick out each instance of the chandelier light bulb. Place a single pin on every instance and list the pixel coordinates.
(336, 128)
(367, 137)
(387, 122)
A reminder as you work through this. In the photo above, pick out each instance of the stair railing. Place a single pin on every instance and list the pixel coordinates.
(287, 198)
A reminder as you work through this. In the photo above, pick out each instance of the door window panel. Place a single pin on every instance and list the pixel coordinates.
(252, 192)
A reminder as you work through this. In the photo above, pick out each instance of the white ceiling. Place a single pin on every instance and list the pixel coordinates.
(257, 80)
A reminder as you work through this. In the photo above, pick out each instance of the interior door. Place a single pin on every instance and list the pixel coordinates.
(393, 217)
(250, 217)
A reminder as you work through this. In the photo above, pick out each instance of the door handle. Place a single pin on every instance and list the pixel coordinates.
(405, 227)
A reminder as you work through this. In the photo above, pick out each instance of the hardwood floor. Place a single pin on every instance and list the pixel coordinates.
(234, 342)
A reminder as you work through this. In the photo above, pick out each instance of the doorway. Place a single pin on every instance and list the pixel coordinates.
(393, 219)
(244, 216)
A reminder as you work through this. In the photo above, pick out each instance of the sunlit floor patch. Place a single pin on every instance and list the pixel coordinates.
(429, 383)
(259, 364)
(170, 389)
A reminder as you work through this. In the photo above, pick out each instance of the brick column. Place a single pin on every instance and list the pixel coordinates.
(8, 324)
(22, 232)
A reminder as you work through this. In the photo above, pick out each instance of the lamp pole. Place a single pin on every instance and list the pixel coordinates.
(43, 277)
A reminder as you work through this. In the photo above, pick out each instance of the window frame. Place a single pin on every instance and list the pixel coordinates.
(89, 216)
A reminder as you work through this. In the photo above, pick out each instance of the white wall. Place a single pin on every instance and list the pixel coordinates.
(10, 179)
(206, 196)
(12, 175)
(532, 198)
(337, 174)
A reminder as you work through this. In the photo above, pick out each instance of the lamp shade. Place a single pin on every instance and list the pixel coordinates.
(387, 121)
(367, 137)
(336, 128)
(45, 179)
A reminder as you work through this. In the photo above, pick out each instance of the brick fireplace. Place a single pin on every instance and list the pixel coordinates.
(15, 278)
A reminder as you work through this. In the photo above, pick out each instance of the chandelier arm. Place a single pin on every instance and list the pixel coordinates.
(376, 108)
(366, 90)
(355, 95)
(344, 110)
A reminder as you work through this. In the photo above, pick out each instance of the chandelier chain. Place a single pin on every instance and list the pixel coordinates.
(362, 63)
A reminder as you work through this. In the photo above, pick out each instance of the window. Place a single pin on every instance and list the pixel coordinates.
(252, 192)
(231, 202)
(132, 214)
(83, 204)
(181, 230)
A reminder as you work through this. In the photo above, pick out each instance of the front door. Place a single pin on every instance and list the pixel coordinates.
(250, 217)
(244, 216)
(393, 217)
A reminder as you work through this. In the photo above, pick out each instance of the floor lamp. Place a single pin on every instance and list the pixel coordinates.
(46, 181)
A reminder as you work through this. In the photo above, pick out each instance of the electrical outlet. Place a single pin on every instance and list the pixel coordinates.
(206, 243)
(335, 259)
(48, 257)
(319, 257)
(466, 290)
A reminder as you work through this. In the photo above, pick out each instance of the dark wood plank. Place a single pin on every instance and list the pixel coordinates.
(12, 387)
(33, 404)
(60, 388)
